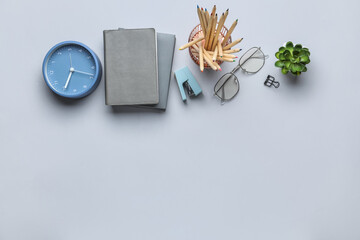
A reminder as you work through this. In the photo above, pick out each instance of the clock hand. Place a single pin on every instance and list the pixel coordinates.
(70, 60)
(68, 79)
(83, 72)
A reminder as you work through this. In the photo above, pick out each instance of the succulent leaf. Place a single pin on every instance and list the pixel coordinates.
(287, 56)
(280, 64)
(296, 67)
(287, 64)
(282, 57)
(284, 70)
(303, 53)
(305, 59)
(289, 44)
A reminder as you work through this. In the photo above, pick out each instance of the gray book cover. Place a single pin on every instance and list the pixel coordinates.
(165, 51)
(131, 69)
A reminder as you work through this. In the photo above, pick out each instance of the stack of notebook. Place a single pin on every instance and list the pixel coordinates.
(138, 65)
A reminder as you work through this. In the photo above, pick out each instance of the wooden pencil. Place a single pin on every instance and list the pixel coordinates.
(195, 46)
(226, 13)
(195, 53)
(235, 50)
(217, 66)
(203, 20)
(212, 34)
(218, 30)
(219, 47)
(209, 60)
(213, 12)
(224, 55)
(201, 57)
(215, 54)
(225, 59)
(228, 34)
(229, 55)
(196, 50)
(208, 30)
(200, 18)
(207, 17)
(191, 43)
(232, 44)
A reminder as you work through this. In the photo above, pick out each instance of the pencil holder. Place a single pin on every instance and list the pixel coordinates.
(195, 34)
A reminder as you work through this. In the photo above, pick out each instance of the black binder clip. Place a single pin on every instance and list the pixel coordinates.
(270, 81)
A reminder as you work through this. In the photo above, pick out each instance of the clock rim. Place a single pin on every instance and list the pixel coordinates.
(98, 72)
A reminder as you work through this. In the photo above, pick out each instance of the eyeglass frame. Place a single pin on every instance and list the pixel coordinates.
(238, 66)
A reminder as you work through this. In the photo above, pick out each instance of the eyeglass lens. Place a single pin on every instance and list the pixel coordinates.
(227, 87)
(252, 61)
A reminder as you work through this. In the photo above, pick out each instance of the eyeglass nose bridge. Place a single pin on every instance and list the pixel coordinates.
(236, 68)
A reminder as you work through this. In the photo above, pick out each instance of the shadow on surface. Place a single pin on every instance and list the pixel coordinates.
(56, 99)
(130, 109)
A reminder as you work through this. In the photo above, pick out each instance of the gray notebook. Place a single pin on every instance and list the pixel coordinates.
(131, 71)
(165, 52)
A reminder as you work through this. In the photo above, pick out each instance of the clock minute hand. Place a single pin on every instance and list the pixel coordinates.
(70, 60)
(83, 72)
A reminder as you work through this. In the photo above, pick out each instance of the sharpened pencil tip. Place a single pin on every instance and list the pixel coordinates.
(202, 70)
(227, 10)
(205, 10)
(197, 6)
(233, 60)
(220, 69)
(237, 20)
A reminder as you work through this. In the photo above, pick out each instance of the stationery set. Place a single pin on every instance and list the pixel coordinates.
(138, 64)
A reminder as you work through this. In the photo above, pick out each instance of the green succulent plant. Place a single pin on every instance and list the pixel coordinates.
(292, 58)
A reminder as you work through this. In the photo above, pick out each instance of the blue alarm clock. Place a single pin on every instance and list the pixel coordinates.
(72, 70)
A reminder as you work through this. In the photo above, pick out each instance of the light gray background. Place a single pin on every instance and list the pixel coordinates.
(274, 164)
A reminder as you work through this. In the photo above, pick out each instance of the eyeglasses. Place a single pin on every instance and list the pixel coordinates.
(228, 85)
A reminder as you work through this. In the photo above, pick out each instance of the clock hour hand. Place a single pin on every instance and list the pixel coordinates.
(90, 74)
(68, 79)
